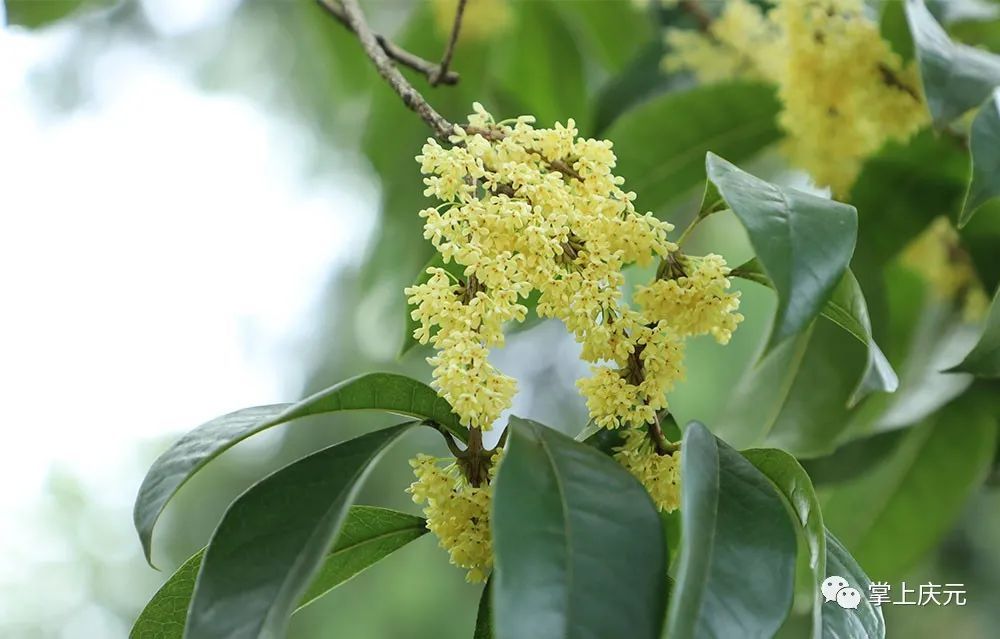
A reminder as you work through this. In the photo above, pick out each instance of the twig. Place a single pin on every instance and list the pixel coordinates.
(890, 78)
(397, 53)
(373, 49)
(449, 439)
(696, 11)
(660, 443)
(449, 51)
(690, 228)
(502, 440)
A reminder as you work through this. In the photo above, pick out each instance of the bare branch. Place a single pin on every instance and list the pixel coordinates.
(449, 51)
(425, 67)
(387, 69)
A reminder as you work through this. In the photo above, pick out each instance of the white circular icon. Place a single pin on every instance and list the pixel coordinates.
(832, 586)
(848, 598)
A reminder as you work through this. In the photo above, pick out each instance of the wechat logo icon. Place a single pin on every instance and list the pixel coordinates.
(837, 589)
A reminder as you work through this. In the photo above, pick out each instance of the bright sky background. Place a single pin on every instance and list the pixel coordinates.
(160, 258)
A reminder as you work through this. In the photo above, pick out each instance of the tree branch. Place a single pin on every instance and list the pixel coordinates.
(425, 67)
(696, 11)
(387, 69)
(449, 51)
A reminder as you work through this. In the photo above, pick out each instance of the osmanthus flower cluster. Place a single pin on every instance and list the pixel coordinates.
(528, 210)
(844, 91)
(457, 511)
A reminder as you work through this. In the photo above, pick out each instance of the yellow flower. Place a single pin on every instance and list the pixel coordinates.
(630, 394)
(660, 474)
(844, 92)
(524, 209)
(937, 256)
(740, 43)
(697, 301)
(457, 512)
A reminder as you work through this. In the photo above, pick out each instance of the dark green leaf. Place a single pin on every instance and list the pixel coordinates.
(940, 336)
(898, 194)
(796, 487)
(847, 309)
(895, 31)
(273, 539)
(484, 615)
(756, 404)
(374, 391)
(368, 535)
(804, 242)
(642, 80)
(579, 547)
(661, 143)
(540, 69)
(840, 623)
(598, 27)
(892, 515)
(984, 143)
(984, 359)
(607, 440)
(852, 459)
(956, 77)
(736, 570)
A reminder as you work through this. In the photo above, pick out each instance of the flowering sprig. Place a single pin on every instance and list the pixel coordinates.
(844, 91)
(523, 210)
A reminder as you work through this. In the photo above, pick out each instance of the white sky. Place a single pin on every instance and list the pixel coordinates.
(160, 259)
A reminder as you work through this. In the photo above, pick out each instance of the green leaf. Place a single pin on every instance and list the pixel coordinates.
(796, 487)
(368, 535)
(273, 539)
(978, 32)
(607, 440)
(984, 359)
(984, 143)
(804, 242)
(539, 68)
(891, 516)
(598, 26)
(374, 391)
(939, 337)
(956, 77)
(867, 621)
(642, 80)
(484, 615)
(661, 143)
(900, 191)
(736, 570)
(755, 406)
(852, 459)
(847, 309)
(39, 13)
(895, 31)
(579, 548)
